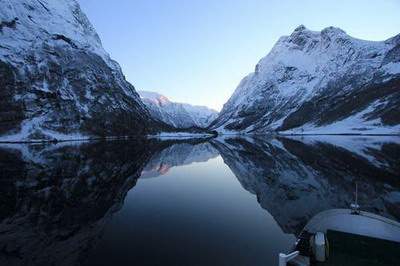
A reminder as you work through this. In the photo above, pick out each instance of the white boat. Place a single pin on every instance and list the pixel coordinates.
(346, 237)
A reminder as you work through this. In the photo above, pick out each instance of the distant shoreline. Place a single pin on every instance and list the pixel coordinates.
(186, 136)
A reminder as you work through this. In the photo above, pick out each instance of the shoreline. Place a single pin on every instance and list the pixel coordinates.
(187, 136)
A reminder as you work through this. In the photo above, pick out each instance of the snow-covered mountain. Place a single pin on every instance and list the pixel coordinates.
(319, 82)
(56, 79)
(179, 115)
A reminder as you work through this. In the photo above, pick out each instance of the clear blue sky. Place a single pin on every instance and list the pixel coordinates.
(197, 51)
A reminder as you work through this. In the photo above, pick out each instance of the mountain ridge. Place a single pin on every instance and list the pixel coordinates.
(58, 81)
(179, 115)
(307, 82)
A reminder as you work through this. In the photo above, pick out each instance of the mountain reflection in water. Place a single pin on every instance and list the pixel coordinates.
(56, 200)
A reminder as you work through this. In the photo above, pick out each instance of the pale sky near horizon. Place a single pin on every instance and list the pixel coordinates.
(197, 51)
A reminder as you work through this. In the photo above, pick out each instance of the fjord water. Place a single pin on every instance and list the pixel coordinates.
(225, 201)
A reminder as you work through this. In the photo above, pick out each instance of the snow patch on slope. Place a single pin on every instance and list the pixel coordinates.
(179, 115)
(180, 135)
(30, 127)
(58, 78)
(305, 66)
(356, 124)
(38, 19)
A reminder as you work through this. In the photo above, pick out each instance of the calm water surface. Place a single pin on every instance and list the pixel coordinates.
(228, 201)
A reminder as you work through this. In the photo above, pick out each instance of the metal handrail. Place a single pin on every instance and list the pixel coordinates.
(285, 258)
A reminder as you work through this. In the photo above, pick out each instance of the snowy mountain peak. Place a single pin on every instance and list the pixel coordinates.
(24, 20)
(299, 28)
(155, 97)
(303, 30)
(57, 81)
(333, 31)
(292, 84)
(395, 40)
(304, 38)
(179, 115)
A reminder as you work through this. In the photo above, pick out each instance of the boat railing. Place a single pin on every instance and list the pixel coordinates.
(285, 258)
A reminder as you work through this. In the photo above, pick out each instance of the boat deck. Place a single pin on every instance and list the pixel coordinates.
(364, 223)
(346, 249)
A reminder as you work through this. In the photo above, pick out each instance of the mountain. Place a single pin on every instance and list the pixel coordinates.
(319, 82)
(179, 115)
(56, 79)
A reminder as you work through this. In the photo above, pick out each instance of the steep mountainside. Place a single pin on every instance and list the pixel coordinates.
(56, 79)
(179, 115)
(319, 82)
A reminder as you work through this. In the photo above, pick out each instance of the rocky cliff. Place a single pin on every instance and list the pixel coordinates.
(56, 79)
(319, 82)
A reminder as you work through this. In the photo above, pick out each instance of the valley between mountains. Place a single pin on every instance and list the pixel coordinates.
(58, 83)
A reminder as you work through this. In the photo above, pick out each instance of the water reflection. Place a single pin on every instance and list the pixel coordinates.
(295, 178)
(56, 199)
(178, 154)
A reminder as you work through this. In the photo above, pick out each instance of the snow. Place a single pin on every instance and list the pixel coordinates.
(47, 40)
(355, 124)
(227, 132)
(177, 155)
(280, 171)
(392, 68)
(30, 153)
(27, 127)
(35, 25)
(180, 135)
(294, 71)
(298, 68)
(154, 97)
(30, 126)
(45, 86)
(360, 145)
(180, 115)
